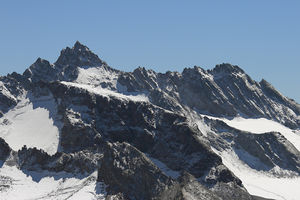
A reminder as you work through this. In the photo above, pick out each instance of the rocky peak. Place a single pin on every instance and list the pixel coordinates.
(79, 55)
(39, 64)
(40, 70)
(140, 70)
(194, 72)
(226, 68)
(80, 47)
(265, 83)
(271, 91)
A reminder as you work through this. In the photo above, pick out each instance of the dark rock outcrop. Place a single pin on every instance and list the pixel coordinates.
(4, 150)
(32, 159)
(129, 171)
(225, 90)
(79, 55)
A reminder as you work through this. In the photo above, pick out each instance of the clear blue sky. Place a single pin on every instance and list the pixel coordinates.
(261, 36)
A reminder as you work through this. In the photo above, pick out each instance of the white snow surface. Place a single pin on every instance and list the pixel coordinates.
(32, 122)
(48, 185)
(262, 183)
(262, 125)
(108, 93)
(96, 75)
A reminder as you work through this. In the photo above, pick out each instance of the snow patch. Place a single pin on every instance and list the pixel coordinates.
(97, 75)
(32, 122)
(261, 183)
(108, 93)
(262, 125)
(48, 185)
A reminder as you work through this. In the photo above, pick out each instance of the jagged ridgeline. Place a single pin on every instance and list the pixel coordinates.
(83, 130)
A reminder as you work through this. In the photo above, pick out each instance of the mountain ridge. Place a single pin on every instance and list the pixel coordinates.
(142, 127)
(212, 79)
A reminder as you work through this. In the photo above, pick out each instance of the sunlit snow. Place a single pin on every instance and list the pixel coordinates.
(32, 123)
(108, 93)
(262, 125)
(261, 183)
(48, 185)
(95, 76)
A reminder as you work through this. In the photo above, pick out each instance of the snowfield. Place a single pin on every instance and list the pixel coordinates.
(49, 186)
(108, 93)
(95, 76)
(32, 122)
(261, 183)
(262, 125)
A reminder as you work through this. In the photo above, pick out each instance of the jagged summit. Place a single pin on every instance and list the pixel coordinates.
(225, 90)
(218, 71)
(226, 68)
(66, 66)
(143, 134)
(41, 68)
(80, 46)
(79, 55)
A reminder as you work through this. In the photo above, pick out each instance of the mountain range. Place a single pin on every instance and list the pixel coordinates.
(80, 129)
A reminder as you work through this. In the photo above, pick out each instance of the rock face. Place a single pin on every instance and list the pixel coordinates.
(127, 170)
(189, 188)
(4, 150)
(277, 151)
(66, 67)
(79, 55)
(138, 129)
(32, 159)
(225, 90)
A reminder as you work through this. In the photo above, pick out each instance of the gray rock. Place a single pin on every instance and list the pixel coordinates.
(129, 171)
(4, 150)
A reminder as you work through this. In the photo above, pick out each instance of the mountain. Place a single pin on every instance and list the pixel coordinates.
(79, 129)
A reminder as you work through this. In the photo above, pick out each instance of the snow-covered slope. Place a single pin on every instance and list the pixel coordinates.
(261, 183)
(17, 185)
(97, 76)
(263, 125)
(33, 122)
